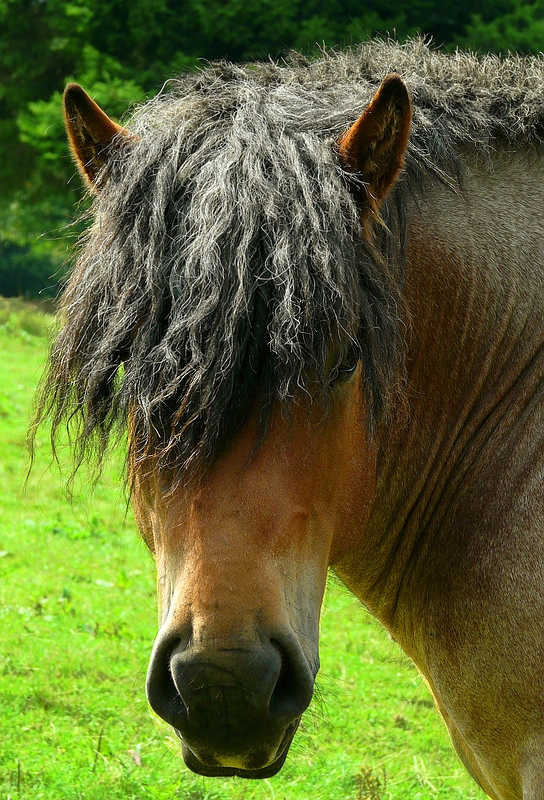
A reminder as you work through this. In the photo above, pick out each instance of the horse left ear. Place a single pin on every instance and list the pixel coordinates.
(375, 144)
(91, 133)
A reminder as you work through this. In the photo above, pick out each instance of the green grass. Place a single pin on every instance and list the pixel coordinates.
(77, 621)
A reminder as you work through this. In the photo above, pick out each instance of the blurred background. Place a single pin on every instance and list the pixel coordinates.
(122, 51)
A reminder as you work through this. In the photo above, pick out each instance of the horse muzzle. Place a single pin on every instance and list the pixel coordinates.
(235, 705)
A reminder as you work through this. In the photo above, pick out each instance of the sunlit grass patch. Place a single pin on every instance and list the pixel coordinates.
(20, 317)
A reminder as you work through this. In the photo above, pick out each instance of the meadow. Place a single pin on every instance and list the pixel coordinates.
(77, 622)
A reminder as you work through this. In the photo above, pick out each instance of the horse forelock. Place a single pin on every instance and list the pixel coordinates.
(226, 257)
(225, 261)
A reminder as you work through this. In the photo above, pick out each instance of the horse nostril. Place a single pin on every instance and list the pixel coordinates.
(162, 693)
(294, 687)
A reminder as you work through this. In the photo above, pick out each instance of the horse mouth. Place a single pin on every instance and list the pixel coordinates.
(214, 770)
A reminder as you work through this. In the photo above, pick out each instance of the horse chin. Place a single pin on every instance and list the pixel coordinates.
(216, 770)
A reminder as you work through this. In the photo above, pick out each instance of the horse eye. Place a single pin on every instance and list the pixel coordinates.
(344, 370)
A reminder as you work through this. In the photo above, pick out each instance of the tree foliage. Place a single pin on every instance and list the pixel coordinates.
(123, 50)
(519, 28)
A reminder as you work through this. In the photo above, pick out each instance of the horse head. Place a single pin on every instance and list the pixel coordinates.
(243, 546)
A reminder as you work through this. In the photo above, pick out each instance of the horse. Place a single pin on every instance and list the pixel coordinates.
(312, 292)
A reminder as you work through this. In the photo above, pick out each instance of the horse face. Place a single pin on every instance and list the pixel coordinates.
(242, 559)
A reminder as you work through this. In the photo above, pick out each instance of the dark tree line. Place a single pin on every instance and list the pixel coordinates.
(123, 51)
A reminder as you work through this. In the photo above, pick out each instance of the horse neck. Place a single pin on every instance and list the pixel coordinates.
(474, 291)
(474, 297)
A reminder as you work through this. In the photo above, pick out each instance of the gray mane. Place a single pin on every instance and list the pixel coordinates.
(226, 262)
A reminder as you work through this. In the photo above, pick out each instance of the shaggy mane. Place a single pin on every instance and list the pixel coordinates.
(226, 258)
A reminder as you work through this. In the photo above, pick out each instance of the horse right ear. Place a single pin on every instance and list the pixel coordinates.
(91, 133)
(374, 146)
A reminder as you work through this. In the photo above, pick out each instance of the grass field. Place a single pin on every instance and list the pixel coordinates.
(77, 621)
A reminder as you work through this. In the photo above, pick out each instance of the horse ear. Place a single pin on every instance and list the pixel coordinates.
(90, 132)
(375, 144)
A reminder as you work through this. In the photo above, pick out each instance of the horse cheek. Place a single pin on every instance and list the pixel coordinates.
(354, 462)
